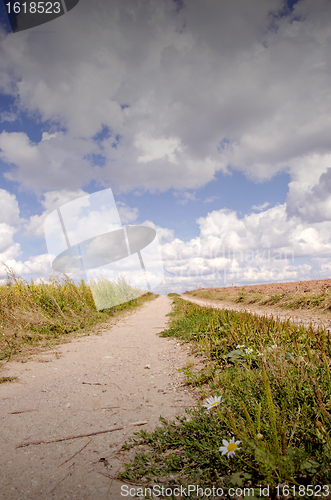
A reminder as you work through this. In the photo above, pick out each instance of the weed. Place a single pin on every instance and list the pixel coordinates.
(7, 379)
(274, 381)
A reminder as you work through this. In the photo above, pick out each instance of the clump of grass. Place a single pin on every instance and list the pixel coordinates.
(7, 379)
(34, 314)
(107, 293)
(310, 300)
(276, 401)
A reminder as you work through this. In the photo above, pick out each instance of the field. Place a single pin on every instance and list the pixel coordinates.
(270, 413)
(315, 294)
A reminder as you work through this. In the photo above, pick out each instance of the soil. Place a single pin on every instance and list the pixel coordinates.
(123, 378)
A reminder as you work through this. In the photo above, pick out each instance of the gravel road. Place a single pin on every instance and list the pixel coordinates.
(117, 379)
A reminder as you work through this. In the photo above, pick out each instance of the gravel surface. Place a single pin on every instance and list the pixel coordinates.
(124, 378)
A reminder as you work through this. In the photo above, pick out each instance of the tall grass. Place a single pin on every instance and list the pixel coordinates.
(38, 314)
(276, 401)
(108, 293)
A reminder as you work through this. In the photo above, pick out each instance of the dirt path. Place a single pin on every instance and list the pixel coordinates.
(91, 384)
(306, 317)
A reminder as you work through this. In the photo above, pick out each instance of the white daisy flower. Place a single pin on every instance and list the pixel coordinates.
(212, 402)
(229, 447)
(249, 351)
(240, 346)
(259, 353)
(274, 346)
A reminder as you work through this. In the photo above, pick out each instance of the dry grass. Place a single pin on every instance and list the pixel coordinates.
(46, 313)
(320, 300)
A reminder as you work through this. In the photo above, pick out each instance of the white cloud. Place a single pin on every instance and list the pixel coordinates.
(260, 207)
(55, 162)
(9, 209)
(6, 116)
(127, 214)
(309, 196)
(184, 197)
(210, 199)
(7, 232)
(9, 225)
(156, 149)
(10, 251)
(260, 247)
(51, 200)
(212, 72)
(35, 267)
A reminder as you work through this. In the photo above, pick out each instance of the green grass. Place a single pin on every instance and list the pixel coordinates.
(278, 405)
(310, 300)
(42, 314)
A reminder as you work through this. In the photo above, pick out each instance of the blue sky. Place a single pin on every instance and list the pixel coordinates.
(209, 121)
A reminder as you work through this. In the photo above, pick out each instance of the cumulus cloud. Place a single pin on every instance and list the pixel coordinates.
(309, 196)
(38, 266)
(10, 251)
(56, 161)
(184, 93)
(9, 225)
(7, 232)
(9, 209)
(50, 201)
(154, 149)
(260, 247)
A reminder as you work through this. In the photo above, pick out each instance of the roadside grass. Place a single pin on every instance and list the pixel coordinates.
(276, 400)
(39, 315)
(310, 300)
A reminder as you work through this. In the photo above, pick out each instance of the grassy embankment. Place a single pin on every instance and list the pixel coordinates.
(276, 401)
(38, 315)
(311, 300)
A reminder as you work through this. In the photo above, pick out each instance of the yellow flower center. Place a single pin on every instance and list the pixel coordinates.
(232, 446)
(216, 403)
